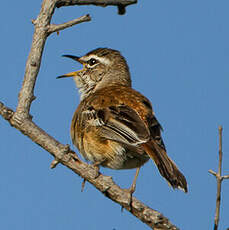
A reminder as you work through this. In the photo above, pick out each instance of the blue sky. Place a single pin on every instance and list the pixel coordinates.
(178, 53)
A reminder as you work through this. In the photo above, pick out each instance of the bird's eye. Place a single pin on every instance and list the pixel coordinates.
(92, 61)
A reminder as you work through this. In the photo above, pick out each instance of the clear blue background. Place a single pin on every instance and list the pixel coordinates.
(178, 53)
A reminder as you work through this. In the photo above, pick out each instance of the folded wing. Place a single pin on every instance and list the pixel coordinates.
(119, 123)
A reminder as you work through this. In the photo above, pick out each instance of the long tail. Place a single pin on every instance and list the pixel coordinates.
(166, 166)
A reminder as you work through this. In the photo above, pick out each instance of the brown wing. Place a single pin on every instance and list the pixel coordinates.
(119, 123)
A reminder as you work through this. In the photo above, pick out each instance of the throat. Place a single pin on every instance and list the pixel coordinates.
(85, 91)
(85, 86)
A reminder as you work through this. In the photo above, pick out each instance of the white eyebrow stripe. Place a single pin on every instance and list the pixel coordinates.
(100, 59)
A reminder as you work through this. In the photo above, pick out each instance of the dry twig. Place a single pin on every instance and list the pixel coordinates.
(22, 120)
(56, 28)
(121, 4)
(219, 179)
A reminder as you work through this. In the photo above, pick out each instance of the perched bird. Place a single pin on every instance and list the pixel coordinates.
(114, 126)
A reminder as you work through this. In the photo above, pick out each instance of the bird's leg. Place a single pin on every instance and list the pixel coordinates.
(132, 188)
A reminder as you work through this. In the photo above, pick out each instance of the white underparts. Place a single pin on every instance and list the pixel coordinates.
(85, 85)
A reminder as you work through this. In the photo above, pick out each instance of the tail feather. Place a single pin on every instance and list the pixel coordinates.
(166, 166)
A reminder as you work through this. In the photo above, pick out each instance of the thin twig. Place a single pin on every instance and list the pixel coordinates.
(103, 3)
(121, 4)
(55, 28)
(212, 172)
(219, 179)
(225, 177)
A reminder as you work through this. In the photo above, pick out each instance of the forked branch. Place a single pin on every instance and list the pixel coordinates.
(56, 28)
(219, 179)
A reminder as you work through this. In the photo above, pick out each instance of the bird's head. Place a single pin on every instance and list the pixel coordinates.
(102, 67)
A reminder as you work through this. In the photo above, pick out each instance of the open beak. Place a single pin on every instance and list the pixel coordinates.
(72, 74)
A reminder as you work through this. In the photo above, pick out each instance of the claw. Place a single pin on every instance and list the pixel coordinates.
(96, 165)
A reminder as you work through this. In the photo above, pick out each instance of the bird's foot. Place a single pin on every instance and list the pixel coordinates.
(130, 192)
(96, 165)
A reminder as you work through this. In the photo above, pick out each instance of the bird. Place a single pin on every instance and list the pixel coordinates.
(114, 126)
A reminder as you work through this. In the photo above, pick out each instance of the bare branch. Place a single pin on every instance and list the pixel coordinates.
(33, 62)
(219, 179)
(121, 4)
(55, 28)
(104, 184)
(103, 3)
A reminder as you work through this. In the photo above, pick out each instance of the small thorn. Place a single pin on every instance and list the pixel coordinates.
(54, 163)
(33, 21)
(33, 98)
(83, 185)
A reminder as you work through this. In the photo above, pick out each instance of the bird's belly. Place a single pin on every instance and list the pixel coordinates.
(127, 163)
(112, 154)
